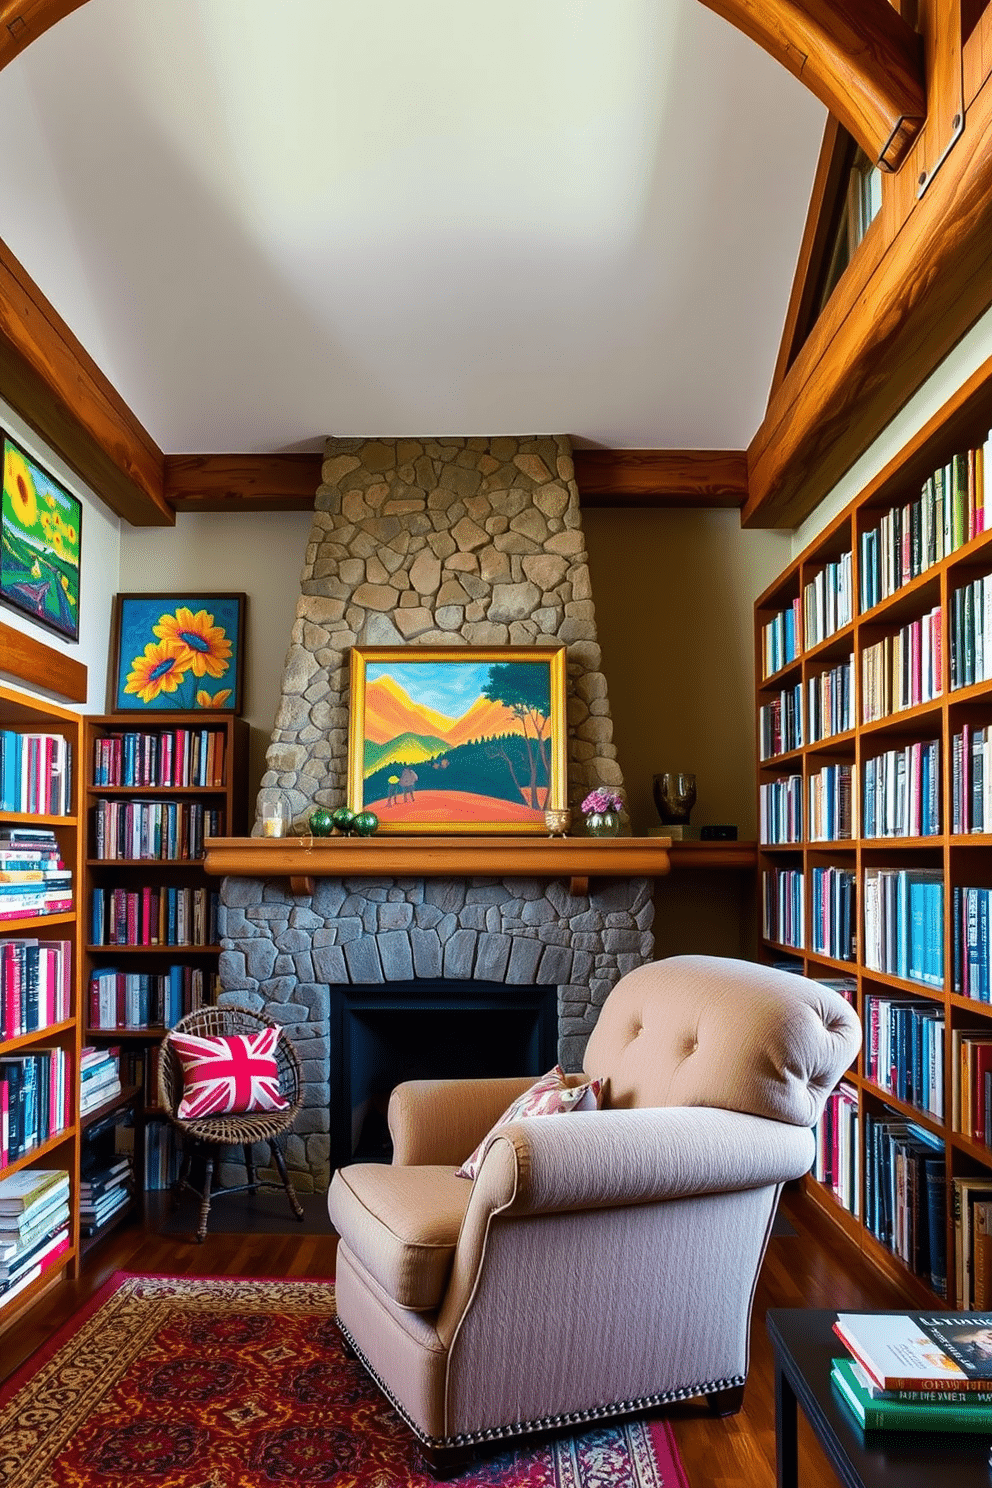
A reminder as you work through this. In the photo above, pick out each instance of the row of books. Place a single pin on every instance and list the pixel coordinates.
(162, 1155)
(971, 633)
(783, 912)
(830, 701)
(902, 792)
(971, 1091)
(911, 538)
(35, 1100)
(780, 723)
(780, 810)
(167, 757)
(971, 780)
(35, 1228)
(837, 1164)
(99, 1078)
(35, 984)
(158, 830)
(828, 601)
(781, 639)
(164, 915)
(971, 962)
(833, 913)
(971, 1217)
(906, 1194)
(904, 1050)
(119, 999)
(830, 804)
(925, 1372)
(35, 773)
(904, 923)
(902, 670)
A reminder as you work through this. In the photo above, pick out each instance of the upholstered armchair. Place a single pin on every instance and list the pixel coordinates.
(601, 1263)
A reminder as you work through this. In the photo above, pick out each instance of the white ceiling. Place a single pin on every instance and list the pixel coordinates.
(269, 222)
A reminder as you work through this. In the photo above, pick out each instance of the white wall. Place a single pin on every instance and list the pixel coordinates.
(99, 562)
(259, 554)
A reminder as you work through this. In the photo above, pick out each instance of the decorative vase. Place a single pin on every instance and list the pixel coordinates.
(603, 824)
(557, 821)
(674, 795)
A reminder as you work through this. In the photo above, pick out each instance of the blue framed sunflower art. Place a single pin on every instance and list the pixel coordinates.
(177, 652)
(40, 535)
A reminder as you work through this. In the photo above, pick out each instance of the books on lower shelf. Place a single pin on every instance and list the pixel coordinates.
(35, 1100)
(902, 670)
(783, 907)
(156, 831)
(35, 984)
(99, 1078)
(35, 1227)
(902, 792)
(780, 805)
(833, 919)
(904, 1050)
(837, 1163)
(830, 701)
(906, 1194)
(131, 999)
(971, 633)
(154, 915)
(780, 723)
(33, 878)
(35, 773)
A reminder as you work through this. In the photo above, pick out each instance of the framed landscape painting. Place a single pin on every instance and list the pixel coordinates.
(457, 738)
(41, 530)
(177, 652)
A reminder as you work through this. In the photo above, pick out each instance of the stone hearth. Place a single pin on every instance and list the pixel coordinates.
(430, 542)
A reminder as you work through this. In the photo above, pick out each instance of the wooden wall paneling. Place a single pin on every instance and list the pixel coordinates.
(23, 21)
(31, 661)
(859, 57)
(212, 483)
(659, 478)
(54, 384)
(886, 327)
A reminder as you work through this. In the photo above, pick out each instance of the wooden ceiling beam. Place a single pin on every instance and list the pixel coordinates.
(23, 21)
(57, 388)
(894, 315)
(214, 483)
(702, 478)
(859, 57)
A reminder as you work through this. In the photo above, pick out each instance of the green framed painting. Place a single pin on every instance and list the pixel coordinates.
(41, 531)
(457, 738)
(177, 651)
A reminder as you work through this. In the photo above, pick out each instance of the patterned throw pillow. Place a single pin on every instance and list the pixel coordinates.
(551, 1095)
(222, 1076)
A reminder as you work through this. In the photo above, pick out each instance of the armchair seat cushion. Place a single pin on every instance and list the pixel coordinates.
(404, 1223)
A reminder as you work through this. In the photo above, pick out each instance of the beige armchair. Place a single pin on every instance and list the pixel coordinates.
(602, 1263)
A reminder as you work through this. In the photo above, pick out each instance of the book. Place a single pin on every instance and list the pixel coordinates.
(929, 1413)
(937, 1351)
(21, 1191)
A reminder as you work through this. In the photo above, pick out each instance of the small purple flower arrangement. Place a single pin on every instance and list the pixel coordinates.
(600, 800)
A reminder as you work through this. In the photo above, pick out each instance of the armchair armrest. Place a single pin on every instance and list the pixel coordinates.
(440, 1122)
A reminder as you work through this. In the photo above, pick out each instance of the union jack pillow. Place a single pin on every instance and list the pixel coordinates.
(554, 1094)
(224, 1075)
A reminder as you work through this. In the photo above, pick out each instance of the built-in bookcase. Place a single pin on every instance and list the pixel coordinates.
(875, 869)
(40, 1027)
(156, 788)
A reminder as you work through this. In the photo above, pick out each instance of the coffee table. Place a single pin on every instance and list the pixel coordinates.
(804, 1345)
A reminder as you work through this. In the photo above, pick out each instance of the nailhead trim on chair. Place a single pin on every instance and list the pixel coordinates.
(547, 1423)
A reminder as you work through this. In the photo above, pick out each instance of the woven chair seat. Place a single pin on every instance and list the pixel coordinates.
(202, 1135)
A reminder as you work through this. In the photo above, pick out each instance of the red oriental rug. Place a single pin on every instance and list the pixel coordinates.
(178, 1382)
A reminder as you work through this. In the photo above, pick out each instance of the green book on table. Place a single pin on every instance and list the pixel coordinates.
(876, 1414)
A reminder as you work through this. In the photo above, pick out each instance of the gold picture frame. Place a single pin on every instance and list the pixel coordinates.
(457, 738)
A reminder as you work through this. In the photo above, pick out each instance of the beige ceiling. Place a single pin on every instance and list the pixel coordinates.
(272, 220)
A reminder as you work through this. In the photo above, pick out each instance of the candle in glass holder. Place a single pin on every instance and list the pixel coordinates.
(273, 813)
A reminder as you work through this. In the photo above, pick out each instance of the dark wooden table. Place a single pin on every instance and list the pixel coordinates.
(804, 1346)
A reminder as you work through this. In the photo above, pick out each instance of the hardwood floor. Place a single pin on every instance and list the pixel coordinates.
(816, 1267)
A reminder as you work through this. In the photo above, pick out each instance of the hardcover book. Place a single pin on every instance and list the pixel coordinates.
(936, 1351)
(930, 1411)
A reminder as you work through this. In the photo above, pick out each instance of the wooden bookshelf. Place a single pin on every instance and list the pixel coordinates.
(146, 840)
(24, 714)
(953, 860)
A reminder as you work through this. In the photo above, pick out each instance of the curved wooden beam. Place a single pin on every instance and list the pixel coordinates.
(859, 57)
(23, 21)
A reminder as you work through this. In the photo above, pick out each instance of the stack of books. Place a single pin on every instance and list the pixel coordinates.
(99, 1078)
(104, 1189)
(34, 1226)
(916, 1371)
(33, 878)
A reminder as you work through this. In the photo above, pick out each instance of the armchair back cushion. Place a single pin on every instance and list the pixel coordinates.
(682, 1032)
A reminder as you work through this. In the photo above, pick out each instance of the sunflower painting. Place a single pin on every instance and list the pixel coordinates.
(182, 651)
(39, 556)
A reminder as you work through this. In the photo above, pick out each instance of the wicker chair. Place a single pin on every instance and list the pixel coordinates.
(202, 1136)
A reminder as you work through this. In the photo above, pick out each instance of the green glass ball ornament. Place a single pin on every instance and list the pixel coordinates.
(343, 819)
(320, 822)
(365, 823)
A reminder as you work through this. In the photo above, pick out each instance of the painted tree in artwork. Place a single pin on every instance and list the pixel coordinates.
(526, 690)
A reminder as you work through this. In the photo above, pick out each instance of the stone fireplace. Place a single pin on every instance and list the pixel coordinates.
(441, 542)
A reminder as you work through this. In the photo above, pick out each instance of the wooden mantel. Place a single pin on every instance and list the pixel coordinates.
(302, 859)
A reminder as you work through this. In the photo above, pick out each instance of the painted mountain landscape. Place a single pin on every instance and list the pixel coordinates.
(457, 743)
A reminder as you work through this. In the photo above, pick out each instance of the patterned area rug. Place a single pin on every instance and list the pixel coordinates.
(166, 1382)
